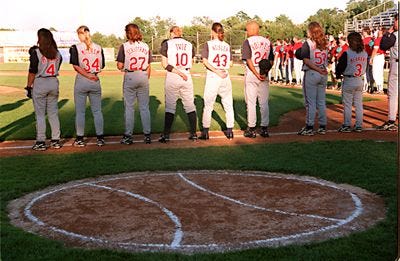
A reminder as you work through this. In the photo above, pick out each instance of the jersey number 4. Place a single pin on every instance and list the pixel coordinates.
(51, 70)
(95, 65)
(220, 60)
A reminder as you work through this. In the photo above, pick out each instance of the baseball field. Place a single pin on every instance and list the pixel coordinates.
(366, 161)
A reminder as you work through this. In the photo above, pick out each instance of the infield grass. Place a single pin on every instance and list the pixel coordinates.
(341, 162)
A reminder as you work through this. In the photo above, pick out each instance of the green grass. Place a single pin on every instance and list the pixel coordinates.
(340, 162)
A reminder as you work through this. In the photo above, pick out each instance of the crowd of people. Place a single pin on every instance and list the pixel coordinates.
(288, 69)
(353, 59)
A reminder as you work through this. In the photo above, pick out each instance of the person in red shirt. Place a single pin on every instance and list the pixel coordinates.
(368, 41)
(278, 61)
(342, 47)
(378, 61)
(298, 64)
(289, 61)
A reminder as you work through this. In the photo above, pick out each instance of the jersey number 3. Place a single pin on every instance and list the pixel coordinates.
(359, 70)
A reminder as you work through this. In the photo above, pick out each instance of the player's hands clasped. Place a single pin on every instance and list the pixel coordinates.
(222, 74)
(261, 77)
(184, 76)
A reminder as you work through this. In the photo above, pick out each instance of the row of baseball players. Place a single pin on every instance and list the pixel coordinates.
(134, 58)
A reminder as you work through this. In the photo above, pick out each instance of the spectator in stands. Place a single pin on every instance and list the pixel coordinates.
(378, 61)
(368, 47)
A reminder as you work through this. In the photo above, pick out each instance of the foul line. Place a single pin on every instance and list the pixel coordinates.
(254, 206)
(172, 139)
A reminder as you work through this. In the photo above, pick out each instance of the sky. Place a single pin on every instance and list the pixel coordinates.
(112, 17)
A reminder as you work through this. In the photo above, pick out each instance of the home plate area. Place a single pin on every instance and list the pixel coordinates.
(196, 211)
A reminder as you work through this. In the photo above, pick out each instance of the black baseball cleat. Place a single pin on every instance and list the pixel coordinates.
(164, 138)
(39, 146)
(193, 136)
(147, 138)
(250, 133)
(100, 141)
(79, 142)
(264, 132)
(204, 135)
(55, 144)
(229, 134)
(127, 140)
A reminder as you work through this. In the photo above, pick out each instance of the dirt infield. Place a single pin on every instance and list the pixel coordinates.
(197, 211)
(375, 113)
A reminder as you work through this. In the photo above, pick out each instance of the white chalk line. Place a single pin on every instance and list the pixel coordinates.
(358, 210)
(178, 226)
(69, 144)
(254, 206)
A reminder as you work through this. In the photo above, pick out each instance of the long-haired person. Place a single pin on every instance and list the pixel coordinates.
(42, 86)
(87, 58)
(352, 65)
(217, 58)
(314, 53)
(134, 58)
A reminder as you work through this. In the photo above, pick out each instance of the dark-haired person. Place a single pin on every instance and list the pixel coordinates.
(390, 41)
(134, 58)
(314, 54)
(368, 46)
(177, 59)
(217, 58)
(352, 65)
(87, 58)
(42, 86)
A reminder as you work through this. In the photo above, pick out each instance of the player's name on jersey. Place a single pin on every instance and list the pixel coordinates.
(181, 46)
(45, 60)
(136, 49)
(90, 51)
(223, 48)
(258, 45)
(358, 59)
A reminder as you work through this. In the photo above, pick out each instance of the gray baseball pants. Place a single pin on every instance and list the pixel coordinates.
(314, 90)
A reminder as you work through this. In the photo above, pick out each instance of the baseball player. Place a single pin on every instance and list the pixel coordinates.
(298, 64)
(278, 61)
(314, 53)
(177, 55)
(289, 61)
(352, 65)
(378, 62)
(87, 58)
(390, 41)
(217, 58)
(368, 46)
(42, 87)
(134, 58)
(256, 48)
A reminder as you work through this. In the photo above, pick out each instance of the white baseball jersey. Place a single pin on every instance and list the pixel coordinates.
(219, 54)
(90, 60)
(260, 48)
(136, 56)
(180, 53)
(356, 63)
(47, 67)
(317, 56)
